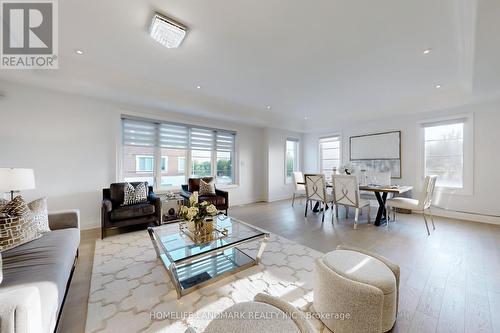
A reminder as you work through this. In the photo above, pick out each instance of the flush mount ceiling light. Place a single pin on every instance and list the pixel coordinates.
(78, 51)
(167, 32)
(427, 51)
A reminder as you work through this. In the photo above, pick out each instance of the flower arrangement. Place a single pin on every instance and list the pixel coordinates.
(197, 212)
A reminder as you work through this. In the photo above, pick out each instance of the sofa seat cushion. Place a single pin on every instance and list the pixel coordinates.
(361, 268)
(215, 200)
(255, 317)
(45, 264)
(129, 212)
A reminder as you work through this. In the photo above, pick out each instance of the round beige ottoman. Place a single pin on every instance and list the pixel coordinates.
(356, 291)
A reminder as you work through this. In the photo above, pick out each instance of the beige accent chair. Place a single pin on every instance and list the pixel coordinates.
(346, 193)
(281, 317)
(359, 284)
(316, 191)
(299, 189)
(421, 205)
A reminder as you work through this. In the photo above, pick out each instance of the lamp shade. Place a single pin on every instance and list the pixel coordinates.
(14, 179)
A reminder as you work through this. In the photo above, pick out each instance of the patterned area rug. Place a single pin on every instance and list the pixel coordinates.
(131, 291)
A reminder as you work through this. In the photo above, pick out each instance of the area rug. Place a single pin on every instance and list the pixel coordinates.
(131, 291)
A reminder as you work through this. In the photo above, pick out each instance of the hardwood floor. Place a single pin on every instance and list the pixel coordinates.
(450, 281)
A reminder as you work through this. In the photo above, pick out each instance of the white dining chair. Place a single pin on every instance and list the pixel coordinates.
(316, 191)
(421, 205)
(346, 193)
(299, 189)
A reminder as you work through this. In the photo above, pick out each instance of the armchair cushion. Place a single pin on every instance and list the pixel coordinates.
(117, 192)
(194, 183)
(128, 212)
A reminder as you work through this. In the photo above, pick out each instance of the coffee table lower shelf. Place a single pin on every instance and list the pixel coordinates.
(206, 270)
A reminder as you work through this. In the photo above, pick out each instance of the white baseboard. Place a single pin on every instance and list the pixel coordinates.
(466, 216)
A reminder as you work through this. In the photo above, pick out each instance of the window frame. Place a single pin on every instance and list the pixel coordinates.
(137, 163)
(157, 171)
(296, 158)
(320, 151)
(468, 152)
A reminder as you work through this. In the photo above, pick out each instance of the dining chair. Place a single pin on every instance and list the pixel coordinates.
(299, 189)
(421, 205)
(316, 191)
(346, 193)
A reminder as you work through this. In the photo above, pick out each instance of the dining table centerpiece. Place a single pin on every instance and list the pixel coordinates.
(198, 216)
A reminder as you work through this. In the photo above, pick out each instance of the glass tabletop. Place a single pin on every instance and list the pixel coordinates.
(180, 247)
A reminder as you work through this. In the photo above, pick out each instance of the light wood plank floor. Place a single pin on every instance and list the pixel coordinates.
(450, 281)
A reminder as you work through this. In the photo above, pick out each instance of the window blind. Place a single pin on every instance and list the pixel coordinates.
(224, 141)
(139, 133)
(174, 136)
(201, 139)
(144, 133)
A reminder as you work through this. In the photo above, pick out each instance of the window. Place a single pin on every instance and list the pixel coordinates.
(181, 164)
(447, 153)
(444, 153)
(165, 154)
(291, 159)
(329, 155)
(144, 164)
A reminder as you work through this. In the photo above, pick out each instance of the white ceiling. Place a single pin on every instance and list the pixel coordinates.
(330, 60)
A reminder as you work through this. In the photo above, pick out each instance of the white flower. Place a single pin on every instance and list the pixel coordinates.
(211, 210)
(193, 199)
(184, 210)
(204, 203)
(192, 212)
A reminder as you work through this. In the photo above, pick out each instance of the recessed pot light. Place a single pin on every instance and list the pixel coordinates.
(198, 87)
(268, 107)
(438, 86)
(78, 51)
(427, 51)
(305, 118)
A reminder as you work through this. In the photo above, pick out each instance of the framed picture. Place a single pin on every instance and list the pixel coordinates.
(380, 152)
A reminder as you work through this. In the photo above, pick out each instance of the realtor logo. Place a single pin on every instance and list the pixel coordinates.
(29, 34)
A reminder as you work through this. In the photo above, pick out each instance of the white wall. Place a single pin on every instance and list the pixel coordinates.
(486, 157)
(277, 189)
(72, 144)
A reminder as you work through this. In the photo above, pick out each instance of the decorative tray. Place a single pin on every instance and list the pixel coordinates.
(216, 234)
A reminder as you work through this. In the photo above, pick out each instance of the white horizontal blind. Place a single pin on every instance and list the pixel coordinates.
(174, 136)
(139, 133)
(444, 152)
(225, 141)
(329, 151)
(202, 139)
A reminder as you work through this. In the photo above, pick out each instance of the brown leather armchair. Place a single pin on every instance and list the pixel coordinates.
(114, 215)
(220, 200)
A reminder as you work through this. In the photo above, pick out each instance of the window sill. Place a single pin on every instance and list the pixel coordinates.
(226, 186)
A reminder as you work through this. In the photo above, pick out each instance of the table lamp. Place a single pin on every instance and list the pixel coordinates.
(16, 179)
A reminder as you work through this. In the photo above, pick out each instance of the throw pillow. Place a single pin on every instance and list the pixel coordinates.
(39, 209)
(17, 225)
(207, 188)
(135, 195)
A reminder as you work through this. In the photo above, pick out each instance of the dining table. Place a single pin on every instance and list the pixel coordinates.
(381, 192)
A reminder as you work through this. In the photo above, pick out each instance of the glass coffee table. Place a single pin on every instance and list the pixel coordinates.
(191, 265)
